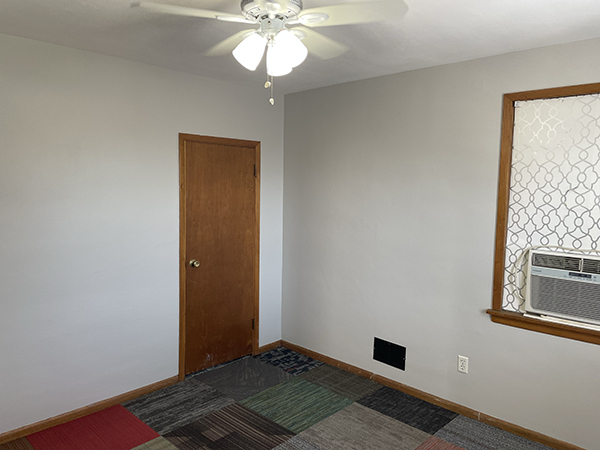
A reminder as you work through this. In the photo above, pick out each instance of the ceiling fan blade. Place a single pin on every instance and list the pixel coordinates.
(227, 45)
(320, 45)
(356, 12)
(190, 12)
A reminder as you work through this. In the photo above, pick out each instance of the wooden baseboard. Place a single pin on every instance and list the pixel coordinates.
(460, 409)
(266, 348)
(84, 411)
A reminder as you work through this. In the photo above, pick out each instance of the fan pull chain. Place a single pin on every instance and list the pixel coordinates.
(269, 84)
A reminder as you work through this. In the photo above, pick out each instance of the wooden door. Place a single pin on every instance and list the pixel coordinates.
(219, 250)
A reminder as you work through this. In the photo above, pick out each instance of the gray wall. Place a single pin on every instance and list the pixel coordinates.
(89, 220)
(390, 188)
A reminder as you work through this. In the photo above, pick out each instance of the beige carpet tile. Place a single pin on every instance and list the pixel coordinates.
(358, 427)
(159, 443)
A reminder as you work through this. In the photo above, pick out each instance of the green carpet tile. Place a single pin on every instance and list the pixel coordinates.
(297, 404)
(358, 427)
(341, 382)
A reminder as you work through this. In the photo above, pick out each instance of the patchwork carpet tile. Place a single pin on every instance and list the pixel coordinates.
(232, 428)
(434, 443)
(341, 382)
(114, 428)
(288, 360)
(159, 443)
(413, 411)
(177, 405)
(473, 435)
(243, 378)
(297, 443)
(297, 404)
(19, 444)
(358, 428)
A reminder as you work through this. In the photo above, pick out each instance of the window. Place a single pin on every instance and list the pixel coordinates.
(548, 192)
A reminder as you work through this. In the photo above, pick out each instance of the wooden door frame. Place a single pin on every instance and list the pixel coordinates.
(182, 236)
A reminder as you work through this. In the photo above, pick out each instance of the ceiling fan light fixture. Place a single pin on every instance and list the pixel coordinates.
(250, 51)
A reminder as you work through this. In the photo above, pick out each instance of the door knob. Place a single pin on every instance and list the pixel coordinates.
(194, 263)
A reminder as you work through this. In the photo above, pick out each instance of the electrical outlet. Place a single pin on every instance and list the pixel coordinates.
(463, 364)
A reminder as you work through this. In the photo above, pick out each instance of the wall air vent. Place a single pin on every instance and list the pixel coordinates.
(564, 286)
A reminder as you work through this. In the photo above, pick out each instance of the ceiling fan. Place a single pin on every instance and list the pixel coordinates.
(286, 47)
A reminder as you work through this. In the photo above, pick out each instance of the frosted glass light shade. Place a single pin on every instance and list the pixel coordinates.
(292, 48)
(250, 51)
(277, 65)
(285, 53)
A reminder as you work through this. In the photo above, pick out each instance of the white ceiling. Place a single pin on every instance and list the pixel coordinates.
(433, 32)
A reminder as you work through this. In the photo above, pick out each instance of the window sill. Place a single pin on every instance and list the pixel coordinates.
(515, 319)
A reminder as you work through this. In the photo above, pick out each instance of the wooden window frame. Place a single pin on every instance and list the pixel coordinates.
(497, 314)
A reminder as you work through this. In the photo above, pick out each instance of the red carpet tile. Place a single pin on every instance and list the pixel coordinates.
(114, 428)
(434, 443)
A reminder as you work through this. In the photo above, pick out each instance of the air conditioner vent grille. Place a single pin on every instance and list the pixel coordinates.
(567, 298)
(556, 262)
(591, 266)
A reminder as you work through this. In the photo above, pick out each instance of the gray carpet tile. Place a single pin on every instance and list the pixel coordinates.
(473, 435)
(170, 408)
(413, 411)
(434, 443)
(243, 378)
(341, 382)
(159, 443)
(358, 428)
(297, 443)
(232, 428)
(289, 360)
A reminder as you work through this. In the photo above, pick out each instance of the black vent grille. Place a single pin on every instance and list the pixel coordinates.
(557, 262)
(591, 266)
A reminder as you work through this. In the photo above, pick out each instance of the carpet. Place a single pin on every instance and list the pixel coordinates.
(159, 443)
(312, 409)
(243, 378)
(114, 428)
(473, 435)
(434, 443)
(288, 360)
(232, 428)
(297, 443)
(19, 444)
(408, 409)
(358, 427)
(341, 382)
(170, 408)
(297, 404)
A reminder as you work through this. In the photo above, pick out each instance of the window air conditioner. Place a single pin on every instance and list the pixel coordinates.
(563, 285)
